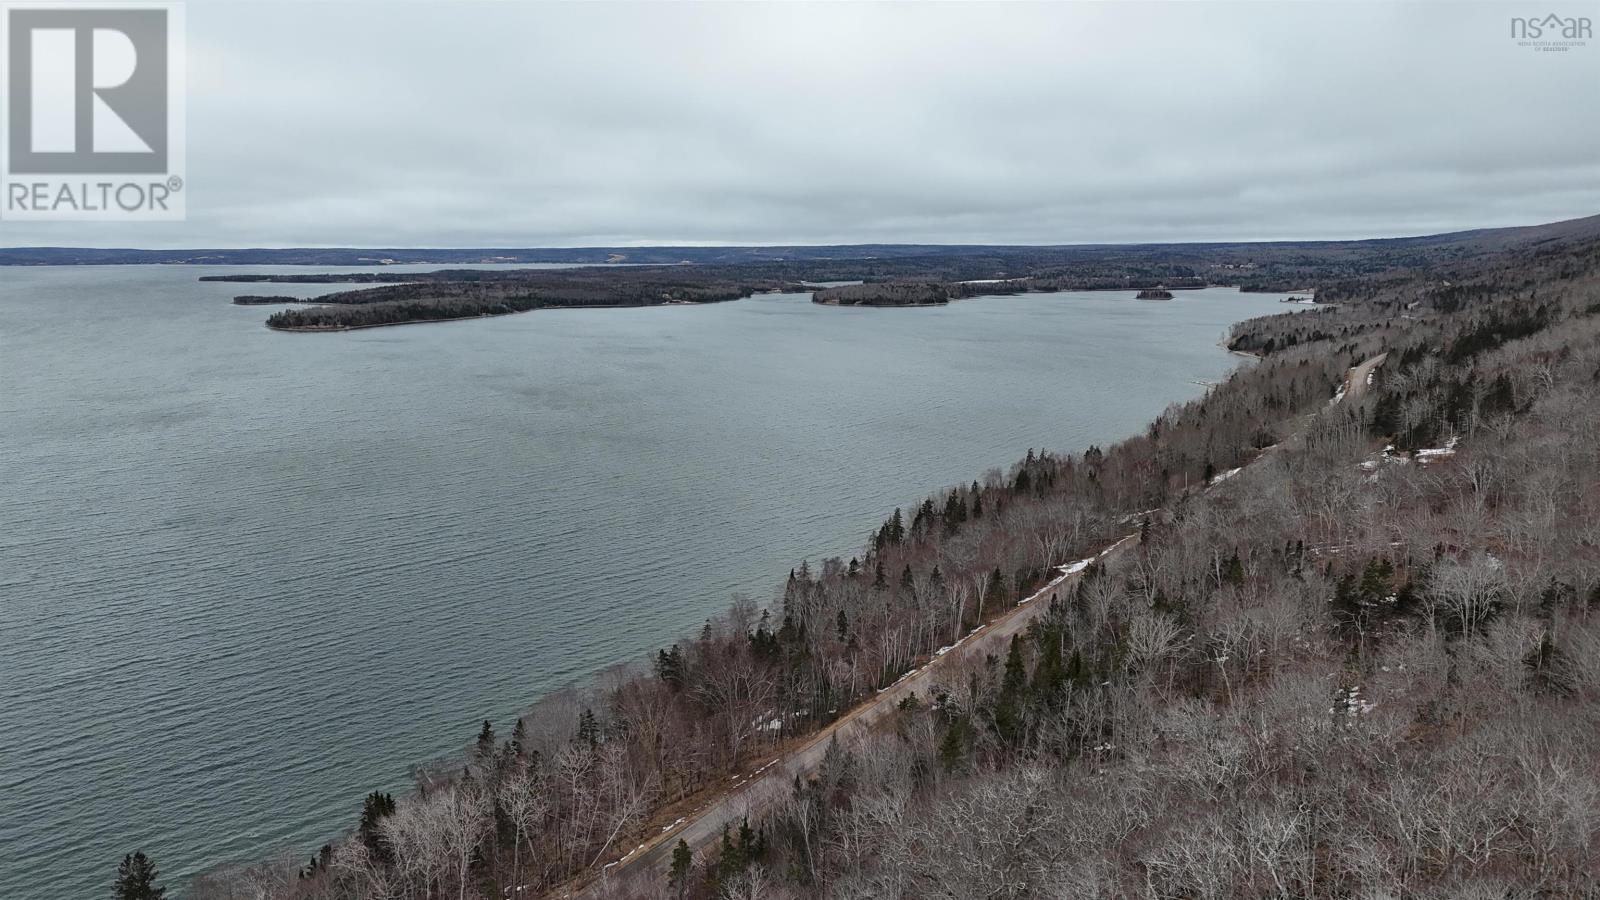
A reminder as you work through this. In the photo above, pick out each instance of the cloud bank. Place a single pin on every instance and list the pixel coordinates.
(497, 124)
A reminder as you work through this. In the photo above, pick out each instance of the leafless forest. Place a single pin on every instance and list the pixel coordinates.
(1365, 664)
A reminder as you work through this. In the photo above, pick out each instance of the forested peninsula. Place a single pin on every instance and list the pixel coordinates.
(1330, 630)
(461, 295)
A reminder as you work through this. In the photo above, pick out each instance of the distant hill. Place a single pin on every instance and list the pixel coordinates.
(378, 256)
(1477, 240)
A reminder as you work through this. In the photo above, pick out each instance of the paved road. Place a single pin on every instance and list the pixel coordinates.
(772, 784)
(753, 794)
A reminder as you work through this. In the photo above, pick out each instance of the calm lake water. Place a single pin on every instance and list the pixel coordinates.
(246, 577)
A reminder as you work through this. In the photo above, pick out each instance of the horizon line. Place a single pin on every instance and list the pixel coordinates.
(718, 245)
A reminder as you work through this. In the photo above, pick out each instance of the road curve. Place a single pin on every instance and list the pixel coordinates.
(1355, 380)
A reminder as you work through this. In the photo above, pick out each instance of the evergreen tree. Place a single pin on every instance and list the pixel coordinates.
(747, 841)
(484, 750)
(1375, 580)
(837, 772)
(1008, 706)
(505, 830)
(953, 749)
(997, 586)
(588, 728)
(1048, 688)
(377, 807)
(1078, 674)
(519, 739)
(1500, 398)
(1556, 595)
(136, 879)
(1233, 570)
(955, 512)
(678, 875)
(669, 667)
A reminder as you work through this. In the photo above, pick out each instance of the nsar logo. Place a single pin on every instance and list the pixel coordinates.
(1552, 33)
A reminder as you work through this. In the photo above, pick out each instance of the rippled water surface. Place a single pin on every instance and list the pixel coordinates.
(246, 577)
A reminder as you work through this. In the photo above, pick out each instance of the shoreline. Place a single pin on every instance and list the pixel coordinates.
(335, 329)
(767, 785)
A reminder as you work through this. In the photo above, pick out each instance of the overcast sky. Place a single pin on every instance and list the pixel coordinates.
(509, 124)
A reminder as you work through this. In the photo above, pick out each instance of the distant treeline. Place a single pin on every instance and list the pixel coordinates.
(892, 293)
(320, 278)
(1270, 286)
(1130, 282)
(924, 293)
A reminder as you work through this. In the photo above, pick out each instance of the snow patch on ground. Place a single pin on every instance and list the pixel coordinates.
(1437, 453)
(1075, 568)
(1220, 477)
(1352, 704)
(1422, 457)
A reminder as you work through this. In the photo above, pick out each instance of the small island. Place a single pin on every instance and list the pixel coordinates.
(1154, 294)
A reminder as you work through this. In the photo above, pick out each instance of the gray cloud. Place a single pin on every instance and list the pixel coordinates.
(563, 124)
